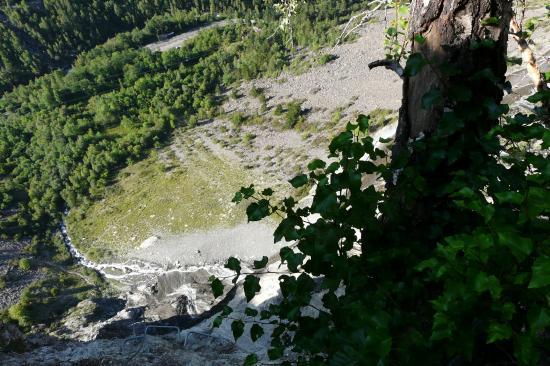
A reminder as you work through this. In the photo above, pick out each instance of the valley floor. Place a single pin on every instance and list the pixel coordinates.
(182, 193)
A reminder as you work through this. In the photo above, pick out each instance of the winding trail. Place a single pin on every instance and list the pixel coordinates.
(177, 41)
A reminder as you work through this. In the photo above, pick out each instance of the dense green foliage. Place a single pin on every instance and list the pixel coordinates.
(38, 36)
(64, 135)
(448, 265)
(45, 301)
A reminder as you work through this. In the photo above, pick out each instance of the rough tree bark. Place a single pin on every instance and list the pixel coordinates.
(450, 28)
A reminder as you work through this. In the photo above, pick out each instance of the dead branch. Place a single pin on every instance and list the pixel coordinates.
(353, 24)
(392, 65)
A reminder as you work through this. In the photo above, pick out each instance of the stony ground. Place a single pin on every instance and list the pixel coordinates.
(182, 193)
(517, 75)
(12, 278)
(157, 351)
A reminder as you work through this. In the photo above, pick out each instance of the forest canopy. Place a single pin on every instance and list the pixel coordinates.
(65, 134)
(42, 35)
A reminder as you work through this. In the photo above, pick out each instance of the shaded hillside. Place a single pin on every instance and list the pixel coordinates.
(39, 36)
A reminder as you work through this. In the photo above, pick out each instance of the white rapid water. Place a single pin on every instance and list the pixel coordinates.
(150, 284)
(127, 269)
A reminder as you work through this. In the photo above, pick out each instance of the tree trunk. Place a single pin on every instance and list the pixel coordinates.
(450, 29)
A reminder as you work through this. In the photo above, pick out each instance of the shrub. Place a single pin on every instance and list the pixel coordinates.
(293, 114)
(237, 119)
(326, 58)
(25, 264)
(263, 103)
(192, 122)
(278, 110)
(248, 137)
(256, 92)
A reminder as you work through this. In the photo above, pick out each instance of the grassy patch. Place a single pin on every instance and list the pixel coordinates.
(237, 119)
(336, 116)
(248, 137)
(380, 117)
(326, 58)
(148, 200)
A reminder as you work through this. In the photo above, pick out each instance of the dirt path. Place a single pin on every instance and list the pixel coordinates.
(176, 41)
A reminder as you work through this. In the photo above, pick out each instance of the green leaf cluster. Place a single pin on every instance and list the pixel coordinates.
(449, 264)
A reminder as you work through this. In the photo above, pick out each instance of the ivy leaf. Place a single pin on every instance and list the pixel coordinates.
(332, 168)
(244, 193)
(538, 201)
(251, 287)
(427, 264)
(441, 327)
(419, 39)
(237, 198)
(339, 142)
(519, 246)
(287, 229)
(491, 21)
(251, 360)
(525, 351)
(251, 312)
(351, 127)
(258, 210)
(510, 197)
(539, 319)
(541, 273)
(432, 98)
(495, 110)
(262, 263)
(217, 322)
(226, 310)
(514, 60)
(267, 192)
(363, 122)
(460, 93)
(539, 96)
(316, 164)
(235, 265)
(248, 192)
(293, 260)
(256, 332)
(391, 31)
(275, 353)
(299, 181)
(324, 201)
(415, 63)
(217, 287)
(498, 332)
(483, 282)
(237, 327)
